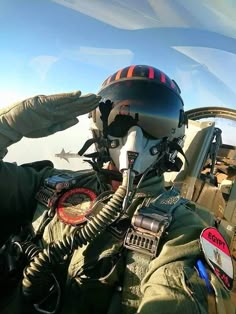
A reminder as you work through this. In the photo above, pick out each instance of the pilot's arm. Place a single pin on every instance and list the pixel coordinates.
(41, 116)
(34, 117)
(18, 186)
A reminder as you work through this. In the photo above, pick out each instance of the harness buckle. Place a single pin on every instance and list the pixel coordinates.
(145, 233)
(150, 222)
(141, 242)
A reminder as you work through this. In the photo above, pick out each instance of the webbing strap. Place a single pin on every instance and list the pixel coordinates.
(136, 268)
(157, 210)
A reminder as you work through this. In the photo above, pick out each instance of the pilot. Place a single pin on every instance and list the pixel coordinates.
(109, 239)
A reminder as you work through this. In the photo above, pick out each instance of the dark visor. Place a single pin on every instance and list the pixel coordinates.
(144, 103)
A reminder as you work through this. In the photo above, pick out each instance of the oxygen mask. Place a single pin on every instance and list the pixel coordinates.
(133, 154)
(134, 150)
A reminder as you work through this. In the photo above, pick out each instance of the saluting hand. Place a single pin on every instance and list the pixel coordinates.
(41, 116)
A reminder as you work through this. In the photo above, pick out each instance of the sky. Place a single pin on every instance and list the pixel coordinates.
(52, 46)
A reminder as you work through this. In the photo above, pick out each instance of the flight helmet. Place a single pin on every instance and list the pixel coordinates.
(141, 100)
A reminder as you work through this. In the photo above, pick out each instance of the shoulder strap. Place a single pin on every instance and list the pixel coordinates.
(148, 225)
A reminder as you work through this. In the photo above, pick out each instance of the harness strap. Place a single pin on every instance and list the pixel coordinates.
(136, 268)
(149, 223)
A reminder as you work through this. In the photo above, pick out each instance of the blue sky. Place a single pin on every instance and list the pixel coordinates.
(51, 46)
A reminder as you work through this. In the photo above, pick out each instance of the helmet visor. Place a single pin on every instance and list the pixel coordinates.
(156, 108)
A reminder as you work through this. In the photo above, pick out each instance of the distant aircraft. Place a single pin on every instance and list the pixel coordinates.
(66, 156)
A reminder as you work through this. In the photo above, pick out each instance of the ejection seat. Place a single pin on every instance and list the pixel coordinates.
(191, 182)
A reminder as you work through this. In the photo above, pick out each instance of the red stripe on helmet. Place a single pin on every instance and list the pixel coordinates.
(163, 77)
(130, 71)
(108, 80)
(172, 84)
(151, 73)
(118, 74)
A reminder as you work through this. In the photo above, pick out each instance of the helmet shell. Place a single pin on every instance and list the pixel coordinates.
(149, 96)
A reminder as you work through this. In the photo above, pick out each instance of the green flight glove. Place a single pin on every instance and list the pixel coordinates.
(41, 116)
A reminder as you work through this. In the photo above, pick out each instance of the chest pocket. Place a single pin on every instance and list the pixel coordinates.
(97, 261)
(106, 270)
(94, 274)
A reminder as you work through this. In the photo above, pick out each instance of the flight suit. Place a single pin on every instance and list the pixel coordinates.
(103, 276)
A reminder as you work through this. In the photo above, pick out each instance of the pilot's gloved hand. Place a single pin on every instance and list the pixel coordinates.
(41, 116)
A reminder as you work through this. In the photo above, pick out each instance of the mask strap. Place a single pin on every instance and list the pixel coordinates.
(105, 109)
(178, 148)
(87, 144)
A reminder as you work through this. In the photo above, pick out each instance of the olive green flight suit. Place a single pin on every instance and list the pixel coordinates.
(95, 279)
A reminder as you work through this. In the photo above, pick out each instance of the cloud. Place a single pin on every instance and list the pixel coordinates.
(102, 57)
(42, 64)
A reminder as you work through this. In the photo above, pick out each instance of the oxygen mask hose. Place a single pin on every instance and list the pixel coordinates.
(128, 177)
(38, 274)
